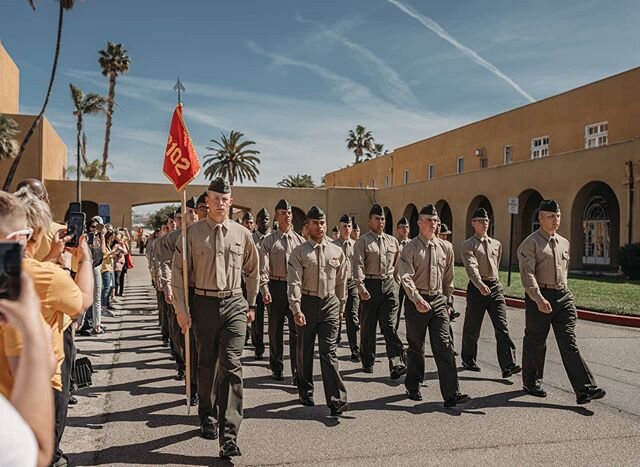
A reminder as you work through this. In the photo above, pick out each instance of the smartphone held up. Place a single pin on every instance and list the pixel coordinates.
(10, 269)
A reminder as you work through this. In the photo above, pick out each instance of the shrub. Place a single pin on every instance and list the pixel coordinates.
(629, 258)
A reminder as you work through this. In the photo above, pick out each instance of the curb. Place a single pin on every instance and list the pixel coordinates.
(587, 315)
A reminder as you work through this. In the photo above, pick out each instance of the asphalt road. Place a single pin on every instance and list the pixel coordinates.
(134, 414)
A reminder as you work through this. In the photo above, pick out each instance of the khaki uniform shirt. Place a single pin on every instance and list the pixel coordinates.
(274, 255)
(420, 272)
(164, 249)
(240, 257)
(258, 237)
(374, 255)
(544, 262)
(347, 248)
(481, 259)
(307, 274)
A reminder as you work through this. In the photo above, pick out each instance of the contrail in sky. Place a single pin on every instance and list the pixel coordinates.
(439, 30)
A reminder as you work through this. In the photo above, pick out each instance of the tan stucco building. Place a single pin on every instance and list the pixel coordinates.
(581, 147)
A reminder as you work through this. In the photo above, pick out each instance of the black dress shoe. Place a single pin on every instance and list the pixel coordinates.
(397, 371)
(592, 393)
(179, 375)
(355, 356)
(459, 398)
(209, 430)
(470, 367)
(73, 400)
(230, 449)
(307, 401)
(165, 342)
(536, 391)
(367, 369)
(414, 395)
(193, 400)
(259, 357)
(338, 408)
(277, 376)
(511, 370)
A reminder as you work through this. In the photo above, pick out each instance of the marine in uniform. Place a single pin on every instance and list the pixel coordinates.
(219, 252)
(201, 206)
(164, 250)
(317, 279)
(274, 255)
(543, 259)
(481, 256)
(374, 257)
(248, 221)
(257, 327)
(352, 306)
(355, 229)
(402, 233)
(426, 272)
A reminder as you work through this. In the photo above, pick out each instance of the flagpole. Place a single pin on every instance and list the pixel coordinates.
(185, 286)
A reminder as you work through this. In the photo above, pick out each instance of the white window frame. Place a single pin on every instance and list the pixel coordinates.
(459, 166)
(540, 147)
(507, 154)
(387, 181)
(596, 135)
(431, 171)
(484, 163)
(373, 183)
(405, 177)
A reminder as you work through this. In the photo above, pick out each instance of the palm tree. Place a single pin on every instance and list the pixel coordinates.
(64, 5)
(84, 104)
(359, 141)
(8, 132)
(232, 159)
(297, 181)
(90, 171)
(114, 61)
(376, 151)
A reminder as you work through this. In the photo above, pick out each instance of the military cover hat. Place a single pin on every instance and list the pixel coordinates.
(550, 205)
(220, 185)
(429, 210)
(480, 213)
(376, 210)
(283, 204)
(316, 213)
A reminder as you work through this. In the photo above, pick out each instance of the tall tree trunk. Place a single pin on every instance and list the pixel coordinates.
(107, 132)
(230, 168)
(36, 122)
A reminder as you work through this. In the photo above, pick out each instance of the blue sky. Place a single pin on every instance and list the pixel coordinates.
(296, 75)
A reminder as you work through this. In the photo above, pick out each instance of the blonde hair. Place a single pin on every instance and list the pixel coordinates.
(38, 213)
(12, 213)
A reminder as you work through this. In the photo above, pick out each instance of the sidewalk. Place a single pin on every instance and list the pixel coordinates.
(135, 414)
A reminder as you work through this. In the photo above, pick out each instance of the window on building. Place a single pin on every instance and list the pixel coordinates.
(359, 184)
(508, 154)
(406, 177)
(373, 183)
(460, 165)
(596, 134)
(431, 171)
(484, 163)
(387, 181)
(539, 147)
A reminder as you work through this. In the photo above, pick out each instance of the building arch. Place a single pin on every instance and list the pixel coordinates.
(480, 201)
(595, 221)
(445, 214)
(527, 219)
(411, 213)
(388, 217)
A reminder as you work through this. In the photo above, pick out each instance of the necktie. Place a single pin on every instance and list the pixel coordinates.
(383, 256)
(285, 245)
(556, 266)
(221, 275)
(322, 275)
(485, 244)
(433, 272)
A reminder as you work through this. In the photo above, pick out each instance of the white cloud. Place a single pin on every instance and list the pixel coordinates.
(440, 31)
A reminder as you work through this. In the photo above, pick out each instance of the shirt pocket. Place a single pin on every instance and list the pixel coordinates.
(565, 256)
(235, 256)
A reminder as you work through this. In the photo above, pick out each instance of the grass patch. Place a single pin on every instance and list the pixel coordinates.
(606, 295)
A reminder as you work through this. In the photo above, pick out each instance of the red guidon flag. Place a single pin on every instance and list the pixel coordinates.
(181, 164)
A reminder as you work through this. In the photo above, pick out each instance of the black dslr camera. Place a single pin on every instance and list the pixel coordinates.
(10, 270)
